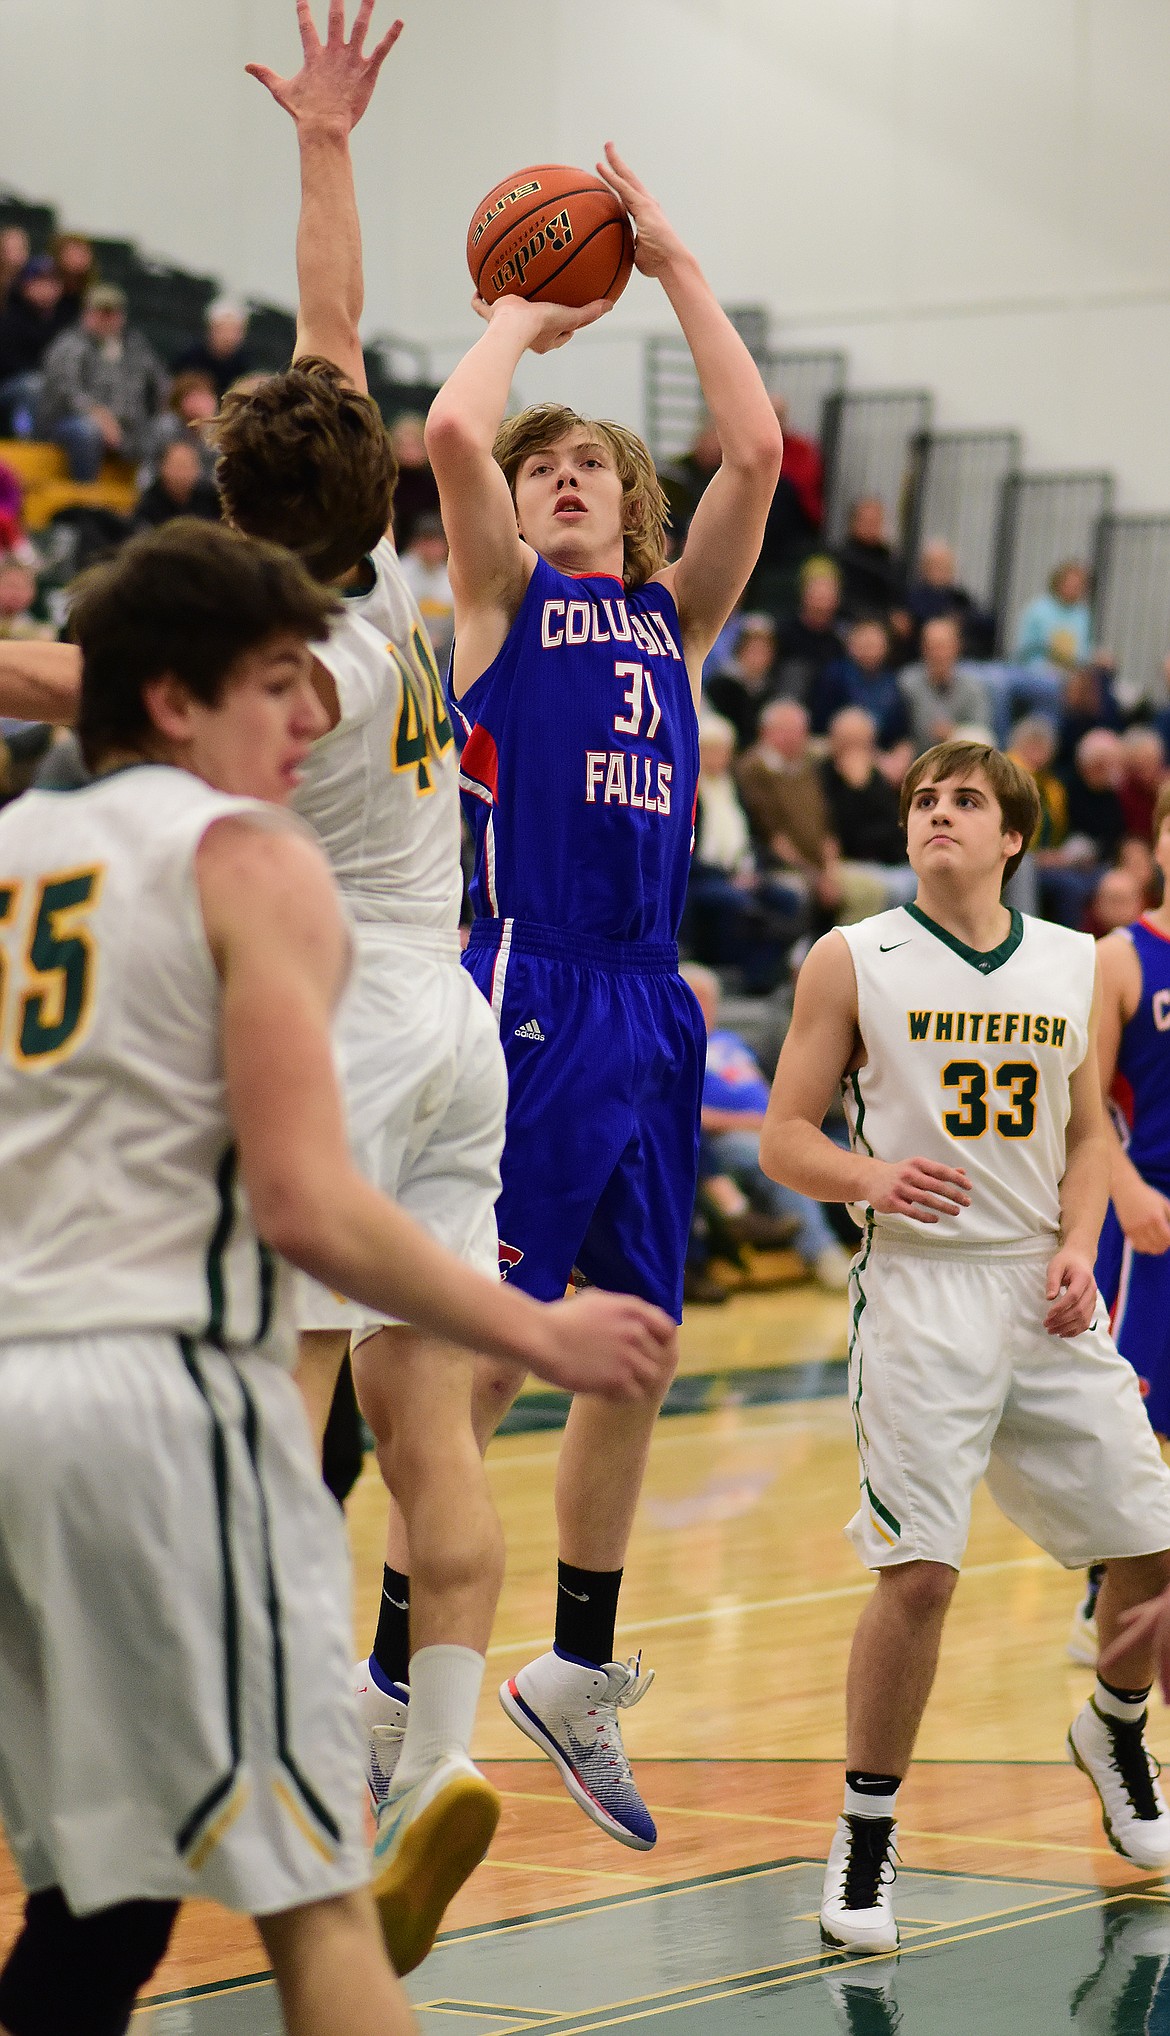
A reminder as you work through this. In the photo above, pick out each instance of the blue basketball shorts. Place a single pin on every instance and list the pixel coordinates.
(1135, 1286)
(606, 1048)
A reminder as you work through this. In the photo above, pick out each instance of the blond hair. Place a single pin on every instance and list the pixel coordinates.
(644, 508)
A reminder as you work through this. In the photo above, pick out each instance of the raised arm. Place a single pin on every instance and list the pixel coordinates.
(1142, 1212)
(276, 934)
(40, 681)
(490, 565)
(727, 529)
(822, 1045)
(326, 100)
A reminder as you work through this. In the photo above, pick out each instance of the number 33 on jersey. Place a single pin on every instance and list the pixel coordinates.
(968, 1059)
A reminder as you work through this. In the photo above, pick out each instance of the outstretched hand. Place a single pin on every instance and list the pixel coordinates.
(547, 326)
(334, 84)
(658, 244)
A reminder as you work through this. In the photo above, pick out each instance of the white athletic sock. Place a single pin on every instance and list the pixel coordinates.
(444, 1691)
(1130, 1707)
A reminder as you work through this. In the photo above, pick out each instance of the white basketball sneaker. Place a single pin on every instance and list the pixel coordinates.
(857, 1913)
(432, 1833)
(384, 1718)
(570, 1711)
(1124, 1773)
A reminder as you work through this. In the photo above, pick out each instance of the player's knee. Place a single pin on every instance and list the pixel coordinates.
(496, 1387)
(73, 1975)
(923, 1589)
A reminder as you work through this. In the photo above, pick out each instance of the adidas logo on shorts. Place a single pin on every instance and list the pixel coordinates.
(529, 1030)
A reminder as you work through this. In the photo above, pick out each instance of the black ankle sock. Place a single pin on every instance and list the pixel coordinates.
(587, 1611)
(392, 1639)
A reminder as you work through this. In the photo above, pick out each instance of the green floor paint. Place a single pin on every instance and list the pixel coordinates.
(980, 1955)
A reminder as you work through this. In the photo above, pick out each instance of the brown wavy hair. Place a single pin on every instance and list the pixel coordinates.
(304, 460)
(644, 508)
(1014, 787)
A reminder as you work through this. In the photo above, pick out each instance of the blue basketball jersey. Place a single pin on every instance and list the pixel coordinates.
(581, 761)
(1142, 1087)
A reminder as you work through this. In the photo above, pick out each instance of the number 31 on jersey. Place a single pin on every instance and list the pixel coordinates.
(46, 992)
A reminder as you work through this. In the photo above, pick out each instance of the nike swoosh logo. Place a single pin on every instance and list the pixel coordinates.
(582, 1597)
(398, 1604)
(893, 944)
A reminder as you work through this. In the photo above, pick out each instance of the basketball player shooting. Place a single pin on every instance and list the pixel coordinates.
(963, 1037)
(576, 673)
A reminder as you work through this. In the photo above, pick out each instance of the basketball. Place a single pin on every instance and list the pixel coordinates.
(553, 234)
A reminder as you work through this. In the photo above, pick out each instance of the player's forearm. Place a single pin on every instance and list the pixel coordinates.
(1123, 1174)
(470, 406)
(330, 283)
(1084, 1192)
(733, 390)
(351, 1239)
(798, 1155)
(40, 681)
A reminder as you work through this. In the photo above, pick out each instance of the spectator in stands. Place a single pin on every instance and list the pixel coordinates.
(863, 806)
(78, 270)
(1056, 627)
(424, 568)
(191, 404)
(741, 689)
(103, 386)
(1033, 747)
(737, 914)
(735, 1097)
(785, 800)
(942, 695)
(18, 601)
(222, 353)
(1087, 702)
(935, 591)
(1117, 901)
(864, 678)
(1094, 784)
(871, 578)
(178, 489)
(683, 480)
(29, 323)
(811, 639)
(416, 491)
(15, 253)
(1144, 775)
(794, 520)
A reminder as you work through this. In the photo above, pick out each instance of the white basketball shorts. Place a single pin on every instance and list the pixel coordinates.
(953, 1377)
(426, 1095)
(176, 1717)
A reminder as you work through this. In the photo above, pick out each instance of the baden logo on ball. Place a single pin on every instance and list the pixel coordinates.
(552, 234)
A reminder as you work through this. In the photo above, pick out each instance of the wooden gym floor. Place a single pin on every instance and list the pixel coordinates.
(742, 1593)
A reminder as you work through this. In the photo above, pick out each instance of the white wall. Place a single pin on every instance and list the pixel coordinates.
(974, 194)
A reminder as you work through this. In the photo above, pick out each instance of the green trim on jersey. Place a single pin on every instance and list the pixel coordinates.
(225, 1183)
(986, 960)
(190, 1830)
(859, 1126)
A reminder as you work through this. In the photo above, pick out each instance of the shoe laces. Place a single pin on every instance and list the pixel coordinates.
(870, 1866)
(627, 1686)
(1135, 1764)
(387, 1738)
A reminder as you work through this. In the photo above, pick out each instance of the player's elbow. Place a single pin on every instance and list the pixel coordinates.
(450, 434)
(771, 1149)
(291, 1217)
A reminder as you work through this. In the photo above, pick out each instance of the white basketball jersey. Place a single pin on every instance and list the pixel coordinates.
(120, 1203)
(381, 790)
(968, 1058)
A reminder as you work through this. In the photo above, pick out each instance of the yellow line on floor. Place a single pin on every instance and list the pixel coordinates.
(830, 1824)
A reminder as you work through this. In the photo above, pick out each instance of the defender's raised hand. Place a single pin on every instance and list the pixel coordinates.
(334, 84)
(658, 244)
